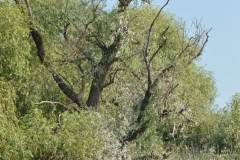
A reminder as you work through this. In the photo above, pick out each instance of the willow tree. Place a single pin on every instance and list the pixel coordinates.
(133, 63)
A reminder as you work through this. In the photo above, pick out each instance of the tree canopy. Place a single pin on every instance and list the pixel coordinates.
(79, 81)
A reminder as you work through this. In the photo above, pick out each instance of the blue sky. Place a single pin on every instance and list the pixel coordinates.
(222, 53)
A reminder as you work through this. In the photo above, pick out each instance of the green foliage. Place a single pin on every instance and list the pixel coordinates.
(11, 137)
(233, 128)
(179, 111)
(14, 48)
(83, 136)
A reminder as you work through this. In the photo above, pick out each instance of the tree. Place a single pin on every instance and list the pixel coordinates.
(132, 64)
(232, 130)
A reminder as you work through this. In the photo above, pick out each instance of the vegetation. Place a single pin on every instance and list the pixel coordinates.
(79, 81)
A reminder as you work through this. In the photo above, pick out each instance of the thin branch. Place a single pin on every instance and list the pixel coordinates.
(201, 50)
(112, 78)
(59, 103)
(147, 62)
(97, 42)
(88, 58)
(51, 102)
(151, 26)
(59, 120)
(65, 30)
(170, 91)
(184, 109)
(66, 80)
(127, 68)
(161, 45)
(188, 118)
(87, 25)
(145, 101)
(29, 9)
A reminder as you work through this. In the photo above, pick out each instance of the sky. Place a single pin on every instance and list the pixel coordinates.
(222, 53)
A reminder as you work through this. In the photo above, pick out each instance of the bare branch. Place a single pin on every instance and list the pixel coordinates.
(151, 26)
(87, 25)
(59, 103)
(51, 102)
(201, 50)
(146, 53)
(187, 118)
(161, 45)
(97, 42)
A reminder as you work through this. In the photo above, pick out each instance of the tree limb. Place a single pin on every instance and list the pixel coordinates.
(160, 46)
(39, 44)
(148, 93)
(59, 103)
(67, 91)
(203, 46)
(151, 26)
(37, 37)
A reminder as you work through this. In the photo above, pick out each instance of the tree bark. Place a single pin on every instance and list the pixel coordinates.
(99, 77)
(96, 90)
(67, 91)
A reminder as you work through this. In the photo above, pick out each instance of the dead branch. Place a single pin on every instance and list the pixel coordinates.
(51, 102)
(68, 107)
(201, 49)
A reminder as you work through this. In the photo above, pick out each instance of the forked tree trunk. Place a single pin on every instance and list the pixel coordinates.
(99, 78)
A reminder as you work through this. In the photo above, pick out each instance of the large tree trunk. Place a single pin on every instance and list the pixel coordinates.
(99, 78)
(96, 90)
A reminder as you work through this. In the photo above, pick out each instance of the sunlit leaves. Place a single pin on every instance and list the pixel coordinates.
(14, 48)
(77, 35)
